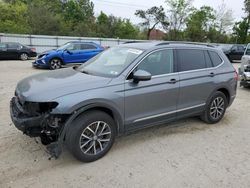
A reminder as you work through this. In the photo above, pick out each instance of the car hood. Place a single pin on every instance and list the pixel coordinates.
(48, 86)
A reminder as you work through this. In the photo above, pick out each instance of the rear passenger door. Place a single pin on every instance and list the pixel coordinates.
(88, 51)
(196, 81)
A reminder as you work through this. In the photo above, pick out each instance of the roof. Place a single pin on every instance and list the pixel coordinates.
(145, 45)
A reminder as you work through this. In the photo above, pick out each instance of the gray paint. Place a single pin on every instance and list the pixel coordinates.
(134, 105)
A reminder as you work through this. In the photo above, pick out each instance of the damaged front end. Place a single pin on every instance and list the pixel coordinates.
(35, 120)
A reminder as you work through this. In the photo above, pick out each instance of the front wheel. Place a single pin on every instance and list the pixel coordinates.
(91, 136)
(55, 63)
(215, 109)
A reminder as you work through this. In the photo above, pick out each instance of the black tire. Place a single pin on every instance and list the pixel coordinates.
(55, 63)
(208, 115)
(24, 56)
(79, 145)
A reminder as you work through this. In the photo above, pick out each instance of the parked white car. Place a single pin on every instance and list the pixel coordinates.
(244, 70)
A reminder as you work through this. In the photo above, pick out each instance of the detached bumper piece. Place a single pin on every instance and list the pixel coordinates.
(30, 126)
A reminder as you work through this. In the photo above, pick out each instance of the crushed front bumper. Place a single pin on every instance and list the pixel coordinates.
(39, 63)
(30, 126)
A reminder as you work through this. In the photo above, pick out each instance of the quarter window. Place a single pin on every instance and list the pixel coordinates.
(190, 59)
(157, 63)
(215, 58)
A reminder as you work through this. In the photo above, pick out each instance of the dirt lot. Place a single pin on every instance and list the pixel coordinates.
(187, 153)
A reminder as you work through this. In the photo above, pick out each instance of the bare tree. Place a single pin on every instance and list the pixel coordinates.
(224, 18)
(152, 17)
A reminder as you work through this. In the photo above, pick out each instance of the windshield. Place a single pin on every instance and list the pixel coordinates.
(111, 62)
(65, 46)
(225, 47)
(247, 52)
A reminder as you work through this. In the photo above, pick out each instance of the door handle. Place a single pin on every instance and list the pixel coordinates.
(212, 74)
(172, 81)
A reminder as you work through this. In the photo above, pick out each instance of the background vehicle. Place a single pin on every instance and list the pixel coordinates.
(235, 52)
(121, 90)
(13, 50)
(244, 70)
(70, 53)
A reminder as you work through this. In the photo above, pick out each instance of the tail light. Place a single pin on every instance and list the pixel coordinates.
(33, 49)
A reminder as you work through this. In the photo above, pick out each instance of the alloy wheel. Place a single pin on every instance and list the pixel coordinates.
(217, 108)
(95, 138)
(55, 64)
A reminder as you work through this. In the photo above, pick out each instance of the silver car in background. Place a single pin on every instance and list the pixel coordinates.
(244, 70)
(123, 89)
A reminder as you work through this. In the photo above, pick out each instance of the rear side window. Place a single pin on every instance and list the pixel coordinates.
(87, 47)
(190, 59)
(215, 58)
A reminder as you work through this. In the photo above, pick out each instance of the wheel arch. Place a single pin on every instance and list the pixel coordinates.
(56, 57)
(222, 89)
(100, 107)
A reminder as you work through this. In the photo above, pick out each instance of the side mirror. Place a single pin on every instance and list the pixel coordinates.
(141, 75)
(68, 51)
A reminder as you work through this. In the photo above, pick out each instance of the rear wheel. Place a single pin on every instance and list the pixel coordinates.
(55, 63)
(215, 109)
(24, 56)
(91, 136)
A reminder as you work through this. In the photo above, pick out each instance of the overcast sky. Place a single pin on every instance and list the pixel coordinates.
(127, 8)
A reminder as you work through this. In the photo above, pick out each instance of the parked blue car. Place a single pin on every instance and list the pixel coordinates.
(71, 53)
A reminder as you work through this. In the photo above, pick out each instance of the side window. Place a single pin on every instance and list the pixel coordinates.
(87, 47)
(13, 46)
(190, 59)
(3, 46)
(77, 46)
(157, 63)
(234, 48)
(208, 59)
(70, 47)
(215, 58)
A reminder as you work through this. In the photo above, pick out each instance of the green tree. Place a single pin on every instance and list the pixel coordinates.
(178, 13)
(42, 21)
(152, 17)
(199, 23)
(239, 31)
(13, 18)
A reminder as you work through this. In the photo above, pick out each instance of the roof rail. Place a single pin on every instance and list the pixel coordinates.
(185, 42)
(134, 41)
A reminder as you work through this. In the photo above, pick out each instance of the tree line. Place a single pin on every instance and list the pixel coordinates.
(178, 18)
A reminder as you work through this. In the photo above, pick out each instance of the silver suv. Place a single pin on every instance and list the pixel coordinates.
(123, 89)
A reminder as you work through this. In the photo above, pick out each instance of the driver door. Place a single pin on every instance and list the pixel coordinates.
(72, 54)
(153, 101)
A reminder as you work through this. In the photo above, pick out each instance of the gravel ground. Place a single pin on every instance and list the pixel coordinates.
(186, 153)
